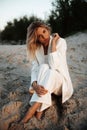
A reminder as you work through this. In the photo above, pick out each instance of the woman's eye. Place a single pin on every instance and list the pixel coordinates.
(44, 31)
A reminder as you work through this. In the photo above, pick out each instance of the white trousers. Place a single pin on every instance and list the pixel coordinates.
(52, 81)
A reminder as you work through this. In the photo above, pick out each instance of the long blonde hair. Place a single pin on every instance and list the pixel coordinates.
(31, 40)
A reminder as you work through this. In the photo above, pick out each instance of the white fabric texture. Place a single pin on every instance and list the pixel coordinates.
(57, 64)
(52, 81)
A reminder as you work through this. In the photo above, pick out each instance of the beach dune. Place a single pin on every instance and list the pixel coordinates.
(15, 81)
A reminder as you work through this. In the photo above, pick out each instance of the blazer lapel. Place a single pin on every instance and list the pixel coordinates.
(40, 55)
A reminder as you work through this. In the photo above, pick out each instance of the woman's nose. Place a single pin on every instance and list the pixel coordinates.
(43, 37)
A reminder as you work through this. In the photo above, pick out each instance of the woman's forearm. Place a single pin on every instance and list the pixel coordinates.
(54, 42)
(53, 48)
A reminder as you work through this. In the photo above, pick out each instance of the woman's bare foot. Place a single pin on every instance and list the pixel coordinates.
(31, 111)
(39, 115)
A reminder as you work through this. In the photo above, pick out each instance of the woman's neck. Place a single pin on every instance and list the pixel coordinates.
(45, 50)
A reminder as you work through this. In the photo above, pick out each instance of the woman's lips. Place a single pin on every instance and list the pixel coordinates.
(47, 40)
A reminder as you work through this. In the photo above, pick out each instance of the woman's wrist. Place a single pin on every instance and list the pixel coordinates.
(34, 84)
(53, 46)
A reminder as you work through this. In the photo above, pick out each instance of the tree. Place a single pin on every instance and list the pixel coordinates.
(68, 16)
(17, 29)
(79, 14)
(59, 17)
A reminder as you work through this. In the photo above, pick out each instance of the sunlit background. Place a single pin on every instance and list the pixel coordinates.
(10, 9)
(65, 17)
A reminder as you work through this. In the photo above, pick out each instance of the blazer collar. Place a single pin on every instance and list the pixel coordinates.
(40, 52)
(40, 55)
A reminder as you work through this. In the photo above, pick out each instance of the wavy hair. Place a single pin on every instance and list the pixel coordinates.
(31, 40)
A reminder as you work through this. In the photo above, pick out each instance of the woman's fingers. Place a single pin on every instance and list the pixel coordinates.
(41, 90)
(55, 37)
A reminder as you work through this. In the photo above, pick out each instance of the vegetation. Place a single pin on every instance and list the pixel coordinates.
(18, 29)
(66, 16)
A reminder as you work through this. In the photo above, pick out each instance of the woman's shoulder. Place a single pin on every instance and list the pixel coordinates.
(61, 42)
(62, 39)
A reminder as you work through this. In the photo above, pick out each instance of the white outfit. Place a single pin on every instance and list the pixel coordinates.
(52, 73)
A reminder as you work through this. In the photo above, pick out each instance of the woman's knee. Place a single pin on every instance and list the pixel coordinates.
(44, 66)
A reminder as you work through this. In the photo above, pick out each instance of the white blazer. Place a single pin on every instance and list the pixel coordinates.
(57, 61)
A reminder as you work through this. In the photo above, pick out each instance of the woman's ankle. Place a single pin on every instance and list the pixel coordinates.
(38, 115)
(31, 111)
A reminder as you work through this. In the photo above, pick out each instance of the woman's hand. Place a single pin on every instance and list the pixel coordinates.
(40, 90)
(55, 38)
(54, 41)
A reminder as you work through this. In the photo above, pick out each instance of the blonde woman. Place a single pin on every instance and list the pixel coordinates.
(49, 72)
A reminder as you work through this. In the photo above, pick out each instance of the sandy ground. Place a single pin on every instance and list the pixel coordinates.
(15, 81)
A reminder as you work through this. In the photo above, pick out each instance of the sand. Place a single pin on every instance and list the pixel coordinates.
(15, 81)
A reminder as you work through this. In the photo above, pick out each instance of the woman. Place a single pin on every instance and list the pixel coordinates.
(49, 72)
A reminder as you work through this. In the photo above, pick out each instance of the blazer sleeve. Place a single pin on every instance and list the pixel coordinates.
(34, 70)
(59, 56)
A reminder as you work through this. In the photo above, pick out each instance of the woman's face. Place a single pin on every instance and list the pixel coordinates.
(43, 35)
